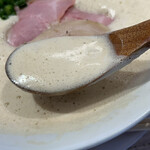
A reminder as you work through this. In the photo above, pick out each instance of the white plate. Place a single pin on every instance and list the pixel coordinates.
(122, 113)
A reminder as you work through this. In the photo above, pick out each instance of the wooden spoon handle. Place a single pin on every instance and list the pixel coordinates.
(129, 40)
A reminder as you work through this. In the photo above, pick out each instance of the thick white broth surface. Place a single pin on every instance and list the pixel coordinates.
(22, 112)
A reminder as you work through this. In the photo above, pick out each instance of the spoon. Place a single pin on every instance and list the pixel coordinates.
(129, 42)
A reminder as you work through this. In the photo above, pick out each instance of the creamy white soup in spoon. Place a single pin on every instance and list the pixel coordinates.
(61, 64)
(22, 112)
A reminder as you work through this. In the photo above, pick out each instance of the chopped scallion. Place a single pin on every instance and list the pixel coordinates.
(7, 7)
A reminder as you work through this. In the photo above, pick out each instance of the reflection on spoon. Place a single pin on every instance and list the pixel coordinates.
(61, 65)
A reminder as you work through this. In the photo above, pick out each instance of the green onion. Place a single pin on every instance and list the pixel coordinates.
(21, 3)
(8, 1)
(2, 14)
(1, 3)
(7, 7)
